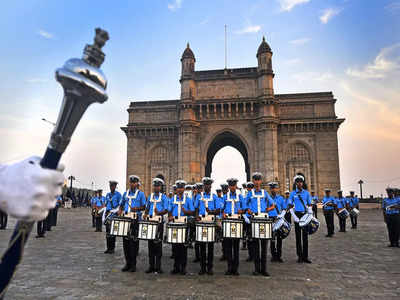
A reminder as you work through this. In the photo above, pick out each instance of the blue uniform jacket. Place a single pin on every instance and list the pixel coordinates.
(387, 201)
(135, 198)
(113, 200)
(174, 205)
(265, 201)
(161, 203)
(212, 200)
(238, 203)
(294, 199)
(329, 199)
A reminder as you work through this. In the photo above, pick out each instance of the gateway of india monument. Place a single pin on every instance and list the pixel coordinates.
(278, 135)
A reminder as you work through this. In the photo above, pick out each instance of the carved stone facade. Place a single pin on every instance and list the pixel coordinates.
(277, 134)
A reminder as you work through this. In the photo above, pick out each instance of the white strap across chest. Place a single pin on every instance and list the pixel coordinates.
(258, 197)
(179, 203)
(206, 200)
(131, 198)
(236, 199)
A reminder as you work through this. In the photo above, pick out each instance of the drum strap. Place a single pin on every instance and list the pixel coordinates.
(131, 198)
(302, 202)
(258, 199)
(232, 201)
(180, 203)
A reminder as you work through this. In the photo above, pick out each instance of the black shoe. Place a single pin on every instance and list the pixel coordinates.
(149, 270)
(210, 272)
(160, 271)
(39, 236)
(280, 260)
(307, 261)
(255, 273)
(174, 271)
(126, 268)
(273, 259)
(107, 251)
(265, 273)
(228, 273)
(132, 269)
(328, 235)
(235, 273)
(202, 272)
(249, 259)
(190, 246)
(196, 260)
(183, 272)
(222, 258)
(299, 260)
(172, 257)
(111, 251)
(390, 245)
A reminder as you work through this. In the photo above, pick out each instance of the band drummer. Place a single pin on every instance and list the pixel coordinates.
(288, 216)
(197, 189)
(353, 203)
(233, 204)
(299, 205)
(314, 202)
(391, 213)
(328, 208)
(98, 205)
(341, 203)
(247, 225)
(113, 198)
(278, 212)
(181, 205)
(92, 205)
(259, 201)
(224, 189)
(157, 205)
(133, 200)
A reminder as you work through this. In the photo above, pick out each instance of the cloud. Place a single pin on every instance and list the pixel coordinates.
(175, 5)
(204, 22)
(313, 76)
(45, 34)
(37, 80)
(301, 41)
(249, 29)
(293, 61)
(393, 7)
(288, 5)
(386, 62)
(328, 14)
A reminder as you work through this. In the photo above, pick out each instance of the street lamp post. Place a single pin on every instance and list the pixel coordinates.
(361, 183)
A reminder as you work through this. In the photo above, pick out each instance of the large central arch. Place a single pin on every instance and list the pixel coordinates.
(223, 139)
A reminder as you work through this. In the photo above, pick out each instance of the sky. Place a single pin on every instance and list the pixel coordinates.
(349, 47)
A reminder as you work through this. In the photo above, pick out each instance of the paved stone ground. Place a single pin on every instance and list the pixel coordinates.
(69, 264)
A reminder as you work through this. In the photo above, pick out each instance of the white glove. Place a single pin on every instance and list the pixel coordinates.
(295, 218)
(28, 191)
(282, 214)
(309, 210)
(246, 219)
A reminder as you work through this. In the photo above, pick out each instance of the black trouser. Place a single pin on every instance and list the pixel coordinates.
(353, 220)
(232, 254)
(315, 210)
(260, 261)
(3, 220)
(206, 256)
(223, 244)
(55, 212)
(110, 239)
(98, 223)
(155, 250)
(93, 221)
(342, 223)
(131, 248)
(301, 239)
(41, 227)
(288, 217)
(329, 221)
(180, 257)
(247, 228)
(49, 220)
(393, 226)
(276, 247)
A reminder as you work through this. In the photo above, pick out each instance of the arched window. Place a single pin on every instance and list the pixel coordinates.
(159, 154)
(298, 152)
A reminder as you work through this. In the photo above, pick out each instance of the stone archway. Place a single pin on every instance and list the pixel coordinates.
(222, 140)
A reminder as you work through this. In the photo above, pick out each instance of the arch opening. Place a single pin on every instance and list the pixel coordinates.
(221, 142)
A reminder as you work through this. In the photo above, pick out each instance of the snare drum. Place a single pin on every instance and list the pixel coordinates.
(232, 228)
(205, 232)
(261, 228)
(176, 233)
(354, 212)
(343, 213)
(120, 226)
(281, 228)
(148, 230)
(310, 223)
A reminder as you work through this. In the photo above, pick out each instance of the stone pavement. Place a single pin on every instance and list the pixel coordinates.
(69, 264)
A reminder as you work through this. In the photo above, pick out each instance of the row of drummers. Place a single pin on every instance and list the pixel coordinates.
(260, 213)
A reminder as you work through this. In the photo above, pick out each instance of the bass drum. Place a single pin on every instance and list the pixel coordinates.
(281, 228)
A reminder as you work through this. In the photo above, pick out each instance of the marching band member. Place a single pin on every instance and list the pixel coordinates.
(41, 228)
(247, 225)
(288, 216)
(233, 204)
(113, 198)
(225, 189)
(278, 212)
(169, 201)
(391, 213)
(328, 207)
(3, 220)
(133, 200)
(187, 209)
(92, 206)
(259, 201)
(299, 205)
(157, 205)
(353, 202)
(197, 189)
(99, 204)
(206, 203)
(341, 202)
(314, 202)
(55, 212)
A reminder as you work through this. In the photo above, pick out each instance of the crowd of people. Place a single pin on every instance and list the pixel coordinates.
(196, 201)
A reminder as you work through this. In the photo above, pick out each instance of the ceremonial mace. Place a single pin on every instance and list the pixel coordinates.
(83, 83)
